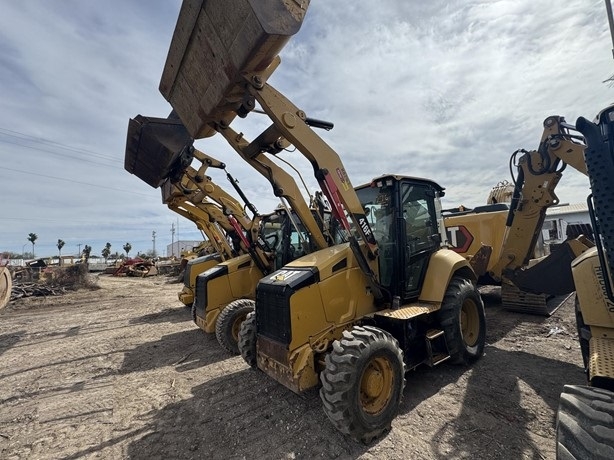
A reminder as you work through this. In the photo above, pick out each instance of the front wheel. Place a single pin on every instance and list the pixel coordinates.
(229, 321)
(247, 340)
(463, 321)
(363, 382)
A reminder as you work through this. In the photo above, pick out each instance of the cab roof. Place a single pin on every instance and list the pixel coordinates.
(397, 177)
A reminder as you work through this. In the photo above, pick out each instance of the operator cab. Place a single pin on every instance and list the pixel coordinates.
(403, 213)
(287, 237)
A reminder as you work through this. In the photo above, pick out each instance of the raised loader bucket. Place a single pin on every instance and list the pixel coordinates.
(6, 285)
(157, 148)
(217, 42)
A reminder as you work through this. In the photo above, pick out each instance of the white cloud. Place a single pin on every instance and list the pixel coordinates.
(442, 89)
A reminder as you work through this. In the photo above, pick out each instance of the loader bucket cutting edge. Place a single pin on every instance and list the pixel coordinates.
(156, 148)
(6, 285)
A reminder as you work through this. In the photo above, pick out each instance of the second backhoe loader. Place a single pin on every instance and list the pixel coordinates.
(224, 294)
(500, 239)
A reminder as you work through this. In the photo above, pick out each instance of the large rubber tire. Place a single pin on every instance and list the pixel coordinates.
(247, 340)
(6, 286)
(463, 321)
(229, 322)
(193, 311)
(585, 424)
(584, 335)
(363, 382)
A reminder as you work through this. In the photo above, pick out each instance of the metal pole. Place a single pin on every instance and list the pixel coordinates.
(608, 7)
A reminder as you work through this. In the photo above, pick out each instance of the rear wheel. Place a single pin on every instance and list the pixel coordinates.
(229, 322)
(585, 423)
(247, 339)
(363, 382)
(463, 321)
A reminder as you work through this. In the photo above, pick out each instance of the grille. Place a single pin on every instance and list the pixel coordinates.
(273, 312)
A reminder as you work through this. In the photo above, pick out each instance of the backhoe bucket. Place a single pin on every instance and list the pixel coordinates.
(6, 285)
(215, 44)
(552, 274)
(157, 148)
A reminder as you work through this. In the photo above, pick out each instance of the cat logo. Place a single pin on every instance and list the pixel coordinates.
(459, 238)
(284, 275)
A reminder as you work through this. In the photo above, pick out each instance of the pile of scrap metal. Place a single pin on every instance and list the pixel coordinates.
(136, 267)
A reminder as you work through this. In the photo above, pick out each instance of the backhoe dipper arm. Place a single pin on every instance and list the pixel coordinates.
(539, 172)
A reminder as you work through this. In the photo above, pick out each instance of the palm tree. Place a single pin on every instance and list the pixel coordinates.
(86, 252)
(106, 252)
(127, 248)
(32, 237)
(60, 245)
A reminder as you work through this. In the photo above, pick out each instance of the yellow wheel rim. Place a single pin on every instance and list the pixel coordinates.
(236, 326)
(470, 322)
(376, 386)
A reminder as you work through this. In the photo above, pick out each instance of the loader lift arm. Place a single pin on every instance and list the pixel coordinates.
(208, 217)
(290, 127)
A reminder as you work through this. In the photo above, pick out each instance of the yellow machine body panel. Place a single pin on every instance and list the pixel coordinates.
(468, 233)
(193, 269)
(335, 302)
(237, 279)
(597, 313)
(589, 278)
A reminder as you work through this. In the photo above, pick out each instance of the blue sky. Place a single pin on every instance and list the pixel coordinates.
(441, 89)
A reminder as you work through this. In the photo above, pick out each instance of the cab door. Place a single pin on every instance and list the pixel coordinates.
(419, 234)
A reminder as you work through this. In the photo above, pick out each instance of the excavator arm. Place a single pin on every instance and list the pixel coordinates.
(539, 172)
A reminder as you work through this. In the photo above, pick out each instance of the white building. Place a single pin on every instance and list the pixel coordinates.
(569, 220)
(177, 247)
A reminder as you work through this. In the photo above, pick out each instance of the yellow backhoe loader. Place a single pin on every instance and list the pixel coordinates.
(357, 315)
(500, 239)
(160, 151)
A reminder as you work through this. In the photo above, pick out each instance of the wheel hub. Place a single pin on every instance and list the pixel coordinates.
(470, 323)
(376, 385)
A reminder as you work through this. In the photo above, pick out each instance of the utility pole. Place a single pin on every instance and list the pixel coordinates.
(153, 238)
(79, 253)
(173, 239)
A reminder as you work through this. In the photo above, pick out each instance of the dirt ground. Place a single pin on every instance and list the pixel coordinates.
(122, 372)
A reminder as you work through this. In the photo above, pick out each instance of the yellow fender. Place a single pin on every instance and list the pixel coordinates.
(443, 265)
